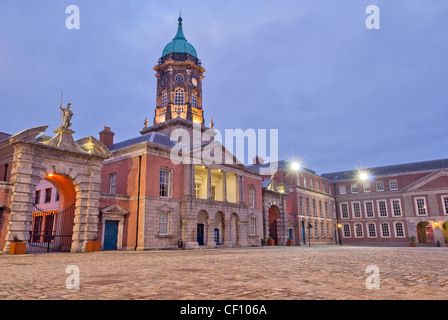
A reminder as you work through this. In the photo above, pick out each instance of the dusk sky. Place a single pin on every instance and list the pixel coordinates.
(341, 96)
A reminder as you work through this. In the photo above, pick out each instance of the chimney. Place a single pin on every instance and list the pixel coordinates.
(107, 137)
(257, 160)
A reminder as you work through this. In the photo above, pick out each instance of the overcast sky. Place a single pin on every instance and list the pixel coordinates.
(341, 96)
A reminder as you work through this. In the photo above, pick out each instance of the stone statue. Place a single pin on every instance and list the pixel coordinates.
(66, 116)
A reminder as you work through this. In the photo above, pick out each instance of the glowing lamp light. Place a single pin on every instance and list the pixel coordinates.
(295, 166)
(50, 175)
(363, 176)
(339, 226)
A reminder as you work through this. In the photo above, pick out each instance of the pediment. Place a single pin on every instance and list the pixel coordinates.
(435, 180)
(114, 210)
(94, 146)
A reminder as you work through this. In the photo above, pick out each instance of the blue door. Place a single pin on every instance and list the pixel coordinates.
(110, 235)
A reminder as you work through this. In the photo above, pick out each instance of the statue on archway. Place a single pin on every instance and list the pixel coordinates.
(66, 116)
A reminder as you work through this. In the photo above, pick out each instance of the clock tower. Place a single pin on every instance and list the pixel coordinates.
(179, 82)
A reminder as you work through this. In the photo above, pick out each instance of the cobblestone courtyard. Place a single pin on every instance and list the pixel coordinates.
(327, 272)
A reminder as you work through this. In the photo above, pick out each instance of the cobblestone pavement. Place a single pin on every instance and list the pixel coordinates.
(321, 272)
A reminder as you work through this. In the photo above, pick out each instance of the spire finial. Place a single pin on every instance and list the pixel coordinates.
(180, 16)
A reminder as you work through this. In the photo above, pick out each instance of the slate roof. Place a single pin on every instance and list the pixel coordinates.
(390, 170)
(281, 165)
(152, 137)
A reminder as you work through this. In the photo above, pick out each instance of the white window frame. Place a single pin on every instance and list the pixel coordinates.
(298, 181)
(393, 207)
(194, 99)
(342, 189)
(322, 230)
(305, 183)
(355, 230)
(379, 208)
(353, 209)
(344, 229)
(321, 213)
(252, 197)
(445, 204)
(317, 185)
(311, 183)
(164, 225)
(380, 183)
(395, 229)
(382, 231)
(253, 226)
(342, 211)
(113, 183)
(394, 183)
(179, 97)
(169, 182)
(417, 210)
(367, 187)
(164, 98)
(366, 211)
(374, 230)
(354, 188)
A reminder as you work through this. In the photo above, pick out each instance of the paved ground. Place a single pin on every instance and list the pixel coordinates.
(330, 272)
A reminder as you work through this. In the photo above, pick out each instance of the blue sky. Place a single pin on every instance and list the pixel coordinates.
(341, 96)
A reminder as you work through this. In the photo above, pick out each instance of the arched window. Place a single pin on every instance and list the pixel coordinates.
(371, 230)
(194, 100)
(358, 230)
(164, 98)
(179, 97)
(346, 230)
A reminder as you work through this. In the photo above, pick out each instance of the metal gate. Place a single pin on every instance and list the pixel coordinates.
(51, 230)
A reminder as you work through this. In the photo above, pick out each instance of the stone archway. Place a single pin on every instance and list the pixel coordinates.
(220, 228)
(425, 232)
(234, 229)
(202, 228)
(74, 167)
(274, 217)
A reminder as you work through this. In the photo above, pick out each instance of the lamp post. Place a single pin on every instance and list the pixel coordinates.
(337, 215)
(310, 226)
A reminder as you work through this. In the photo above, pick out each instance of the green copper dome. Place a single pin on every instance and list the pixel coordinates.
(179, 44)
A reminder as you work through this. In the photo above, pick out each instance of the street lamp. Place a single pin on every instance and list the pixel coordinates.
(310, 226)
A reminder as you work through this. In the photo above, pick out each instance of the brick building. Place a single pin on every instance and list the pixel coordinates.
(138, 194)
(132, 195)
(387, 205)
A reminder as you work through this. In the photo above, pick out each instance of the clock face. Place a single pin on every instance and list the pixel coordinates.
(164, 80)
(194, 81)
(179, 78)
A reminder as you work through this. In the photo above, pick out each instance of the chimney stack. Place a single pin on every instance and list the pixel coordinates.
(107, 137)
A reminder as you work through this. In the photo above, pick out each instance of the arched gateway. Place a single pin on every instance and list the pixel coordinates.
(74, 167)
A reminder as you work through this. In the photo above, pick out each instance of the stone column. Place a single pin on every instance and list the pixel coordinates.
(209, 183)
(192, 180)
(241, 189)
(224, 186)
(187, 177)
(24, 183)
